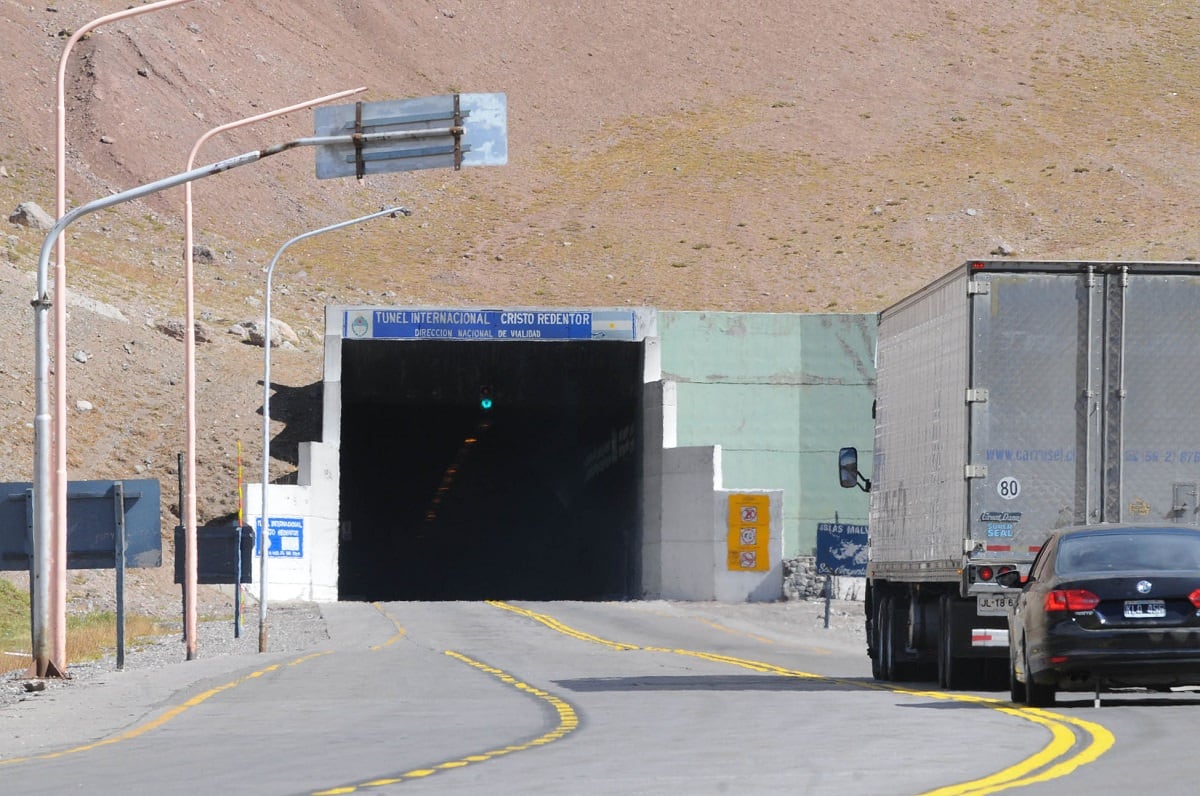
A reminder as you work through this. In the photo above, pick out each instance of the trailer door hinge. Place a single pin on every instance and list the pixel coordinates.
(978, 287)
(977, 395)
(976, 471)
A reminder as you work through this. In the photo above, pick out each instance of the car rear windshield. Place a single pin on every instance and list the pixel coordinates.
(1144, 551)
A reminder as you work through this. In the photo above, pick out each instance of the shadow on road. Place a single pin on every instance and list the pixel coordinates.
(751, 682)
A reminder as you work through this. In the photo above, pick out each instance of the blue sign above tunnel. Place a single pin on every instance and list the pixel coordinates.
(496, 324)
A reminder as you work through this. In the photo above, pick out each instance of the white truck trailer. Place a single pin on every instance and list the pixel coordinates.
(1014, 398)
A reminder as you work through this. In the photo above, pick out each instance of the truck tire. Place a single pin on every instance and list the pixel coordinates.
(949, 675)
(876, 649)
(894, 633)
(1036, 694)
(955, 672)
(881, 666)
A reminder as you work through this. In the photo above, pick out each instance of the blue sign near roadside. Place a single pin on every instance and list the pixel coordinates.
(841, 549)
(286, 537)
(489, 324)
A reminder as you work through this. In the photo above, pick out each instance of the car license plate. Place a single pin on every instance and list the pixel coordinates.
(996, 604)
(1145, 609)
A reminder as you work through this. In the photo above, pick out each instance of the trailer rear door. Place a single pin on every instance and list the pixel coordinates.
(1034, 400)
(1152, 395)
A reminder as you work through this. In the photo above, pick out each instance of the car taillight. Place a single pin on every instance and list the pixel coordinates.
(1073, 600)
(985, 573)
(1195, 598)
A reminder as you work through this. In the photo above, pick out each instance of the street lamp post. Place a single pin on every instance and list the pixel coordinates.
(264, 543)
(52, 587)
(42, 514)
(366, 146)
(188, 510)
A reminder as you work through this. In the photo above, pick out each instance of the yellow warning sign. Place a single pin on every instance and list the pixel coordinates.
(749, 523)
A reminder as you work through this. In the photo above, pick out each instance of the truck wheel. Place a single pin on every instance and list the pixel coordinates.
(947, 674)
(893, 668)
(1037, 695)
(954, 673)
(876, 649)
(882, 666)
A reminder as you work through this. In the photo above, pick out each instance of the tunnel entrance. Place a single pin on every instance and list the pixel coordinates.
(536, 496)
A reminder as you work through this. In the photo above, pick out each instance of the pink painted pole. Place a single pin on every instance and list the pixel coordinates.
(189, 382)
(56, 611)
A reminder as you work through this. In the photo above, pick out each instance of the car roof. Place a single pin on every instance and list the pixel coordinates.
(1124, 527)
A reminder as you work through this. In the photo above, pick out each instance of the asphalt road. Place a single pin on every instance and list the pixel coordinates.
(578, 698)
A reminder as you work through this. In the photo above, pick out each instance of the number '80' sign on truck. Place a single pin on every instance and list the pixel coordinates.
(1013, 398)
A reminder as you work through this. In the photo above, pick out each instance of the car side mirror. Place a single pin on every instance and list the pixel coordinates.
(1011, 579)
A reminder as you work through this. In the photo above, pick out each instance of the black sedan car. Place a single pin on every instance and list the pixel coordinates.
(1106, 606)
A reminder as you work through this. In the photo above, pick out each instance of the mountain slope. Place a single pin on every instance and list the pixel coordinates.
(780, 155)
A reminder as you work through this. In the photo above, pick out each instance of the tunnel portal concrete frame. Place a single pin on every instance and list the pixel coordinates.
(539, 494)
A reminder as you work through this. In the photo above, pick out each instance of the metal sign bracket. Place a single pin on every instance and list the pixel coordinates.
(458, 133)
(360, 166)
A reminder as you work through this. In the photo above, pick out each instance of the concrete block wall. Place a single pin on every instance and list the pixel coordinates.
(689, 480)
(311, 572)
(657, 426)
(780, 393)
(695, 530)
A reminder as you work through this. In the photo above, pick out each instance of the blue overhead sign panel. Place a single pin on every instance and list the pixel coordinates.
(489, 324)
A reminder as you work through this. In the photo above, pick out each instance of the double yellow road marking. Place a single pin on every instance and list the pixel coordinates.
(163, 718)
(568, 721)
(1073, 742)
(1062, 755)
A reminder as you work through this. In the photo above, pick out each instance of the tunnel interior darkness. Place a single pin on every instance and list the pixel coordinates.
(536, 497)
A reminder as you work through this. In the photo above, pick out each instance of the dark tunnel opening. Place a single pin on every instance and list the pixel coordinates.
(536, 497)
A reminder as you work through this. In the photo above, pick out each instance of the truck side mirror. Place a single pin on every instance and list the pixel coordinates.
(848, 474)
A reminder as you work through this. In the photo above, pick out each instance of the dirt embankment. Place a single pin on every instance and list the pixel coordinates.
(781, 156)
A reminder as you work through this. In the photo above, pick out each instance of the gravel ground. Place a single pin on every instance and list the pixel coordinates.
(291, 627)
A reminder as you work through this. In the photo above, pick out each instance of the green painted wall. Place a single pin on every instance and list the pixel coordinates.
(780, 394)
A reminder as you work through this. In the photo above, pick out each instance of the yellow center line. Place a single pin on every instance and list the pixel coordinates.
(568, 722)
(1102, 741)
(554, 624)
(723, 628)
(162, 719)
(1039, 767)
(400, 631)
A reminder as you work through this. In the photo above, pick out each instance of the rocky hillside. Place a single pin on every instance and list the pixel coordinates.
(780, 156)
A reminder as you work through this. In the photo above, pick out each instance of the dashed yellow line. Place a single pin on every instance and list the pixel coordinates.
(167, 716)
(1039, 767)
(400, 631)
(718, 626)
(554, 624)
(724, 629)
(568, 722)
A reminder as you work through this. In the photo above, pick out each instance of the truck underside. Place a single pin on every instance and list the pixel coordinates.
(929, 631)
